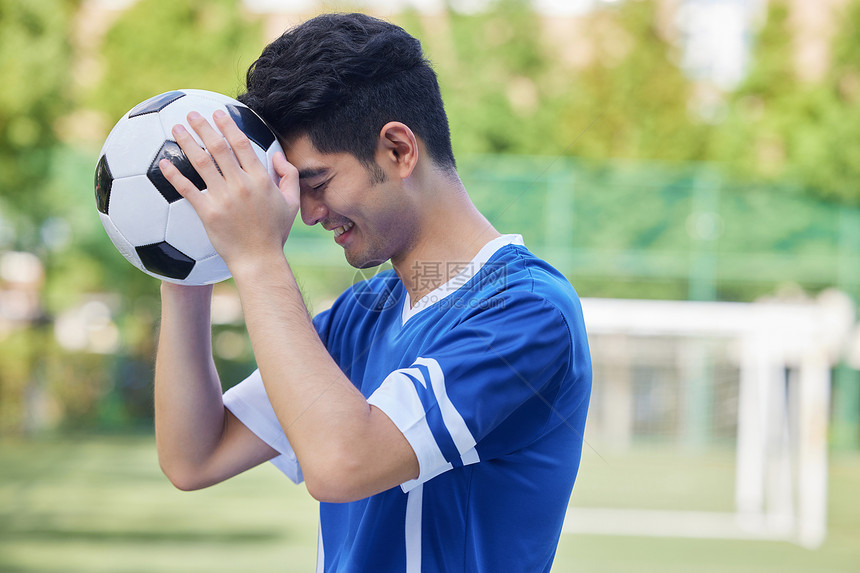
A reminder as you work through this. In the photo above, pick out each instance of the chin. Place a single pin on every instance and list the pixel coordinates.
(363, 262)
(368, 254)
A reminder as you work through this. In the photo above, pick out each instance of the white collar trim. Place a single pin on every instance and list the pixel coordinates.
(461, 278)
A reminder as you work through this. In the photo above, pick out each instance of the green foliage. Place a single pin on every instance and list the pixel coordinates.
(16, 370)
(155, 46)
(762, 112)
(493, 69)
(782, 128)
(772, 69)
(827, 150)
(35, 64)
(507, 90)
(631, 101)
(162, 45)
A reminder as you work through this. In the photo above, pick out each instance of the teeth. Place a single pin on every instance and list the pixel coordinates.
(343, 229)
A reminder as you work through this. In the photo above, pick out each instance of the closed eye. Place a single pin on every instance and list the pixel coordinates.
(318, 188)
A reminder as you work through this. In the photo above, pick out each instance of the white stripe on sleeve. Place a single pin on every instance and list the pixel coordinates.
(398, 399)
(450, 416)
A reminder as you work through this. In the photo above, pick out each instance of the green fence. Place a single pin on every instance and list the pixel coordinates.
(655, 231)
(635, 230)
(622, 229)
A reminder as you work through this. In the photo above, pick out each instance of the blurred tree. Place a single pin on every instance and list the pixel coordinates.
(493, 68)
(152, 47)
(782, 129)
(752, 140)
(35, 61)
(632, 99)
(161, 45)
(508, 91)
(826, 151)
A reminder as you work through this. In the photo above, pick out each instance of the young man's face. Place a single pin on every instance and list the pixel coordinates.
(366, 210)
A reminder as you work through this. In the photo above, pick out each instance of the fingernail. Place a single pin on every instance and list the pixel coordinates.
(178, 129)
(219, 113)
(193, 115)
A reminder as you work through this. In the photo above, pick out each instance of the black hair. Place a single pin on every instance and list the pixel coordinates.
(338, 78)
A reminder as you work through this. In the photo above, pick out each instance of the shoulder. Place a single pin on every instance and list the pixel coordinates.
(516, 304)
(514, 278)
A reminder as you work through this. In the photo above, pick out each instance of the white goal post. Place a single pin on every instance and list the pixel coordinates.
(785, 355)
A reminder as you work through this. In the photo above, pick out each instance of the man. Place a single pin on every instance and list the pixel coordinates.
(435, 410)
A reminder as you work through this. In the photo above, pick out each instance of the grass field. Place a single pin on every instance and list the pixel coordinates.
(101, 505)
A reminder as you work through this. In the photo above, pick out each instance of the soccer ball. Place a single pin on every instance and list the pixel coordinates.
(150, 224)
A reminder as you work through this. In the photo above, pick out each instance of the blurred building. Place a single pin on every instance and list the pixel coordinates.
(716, 37)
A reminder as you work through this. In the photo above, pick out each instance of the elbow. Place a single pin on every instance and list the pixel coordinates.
(336, 480)
(182, 478)
(330, 489)
(182, 483)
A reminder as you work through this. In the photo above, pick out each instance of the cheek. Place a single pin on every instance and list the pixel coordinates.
(390, 220)
(396, 219)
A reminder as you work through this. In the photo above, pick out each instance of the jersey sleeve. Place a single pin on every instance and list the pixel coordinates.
(249, 402)
(482, 389)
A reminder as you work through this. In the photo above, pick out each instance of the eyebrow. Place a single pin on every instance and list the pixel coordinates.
(312, 172)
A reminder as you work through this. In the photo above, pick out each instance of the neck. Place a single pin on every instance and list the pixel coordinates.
(451, 232)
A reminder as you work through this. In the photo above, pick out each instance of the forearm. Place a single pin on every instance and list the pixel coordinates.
(189, 412)
(327, 420)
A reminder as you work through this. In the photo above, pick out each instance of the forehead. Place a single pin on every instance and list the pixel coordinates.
(311, 162)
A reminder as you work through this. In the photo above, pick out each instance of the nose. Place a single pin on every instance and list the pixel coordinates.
(312, 208)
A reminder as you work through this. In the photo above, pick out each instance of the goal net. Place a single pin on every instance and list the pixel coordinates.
(708, 419)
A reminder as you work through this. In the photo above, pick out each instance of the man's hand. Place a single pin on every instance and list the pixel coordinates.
(244, 213)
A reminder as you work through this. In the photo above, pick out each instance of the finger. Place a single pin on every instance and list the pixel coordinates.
(282, 166)
(286, 171)
(289, 184)
(199, 158)
(239, 142)
(215, 144)
(180, 182)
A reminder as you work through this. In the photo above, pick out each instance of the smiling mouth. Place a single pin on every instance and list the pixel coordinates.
(343, 229)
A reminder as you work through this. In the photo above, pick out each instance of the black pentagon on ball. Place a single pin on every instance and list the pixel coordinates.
(156, 103)
(172, 152)
(166, 260)
(103, 184)
(251, 124)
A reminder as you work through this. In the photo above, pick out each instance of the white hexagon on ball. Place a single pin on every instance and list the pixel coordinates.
(132, 145)
(208, 271)
(125, 248)
(185, 231)
(138, 210)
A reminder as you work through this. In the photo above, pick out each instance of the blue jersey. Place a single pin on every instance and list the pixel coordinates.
(489, 379)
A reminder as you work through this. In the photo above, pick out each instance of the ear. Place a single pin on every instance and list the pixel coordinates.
(397, 148)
